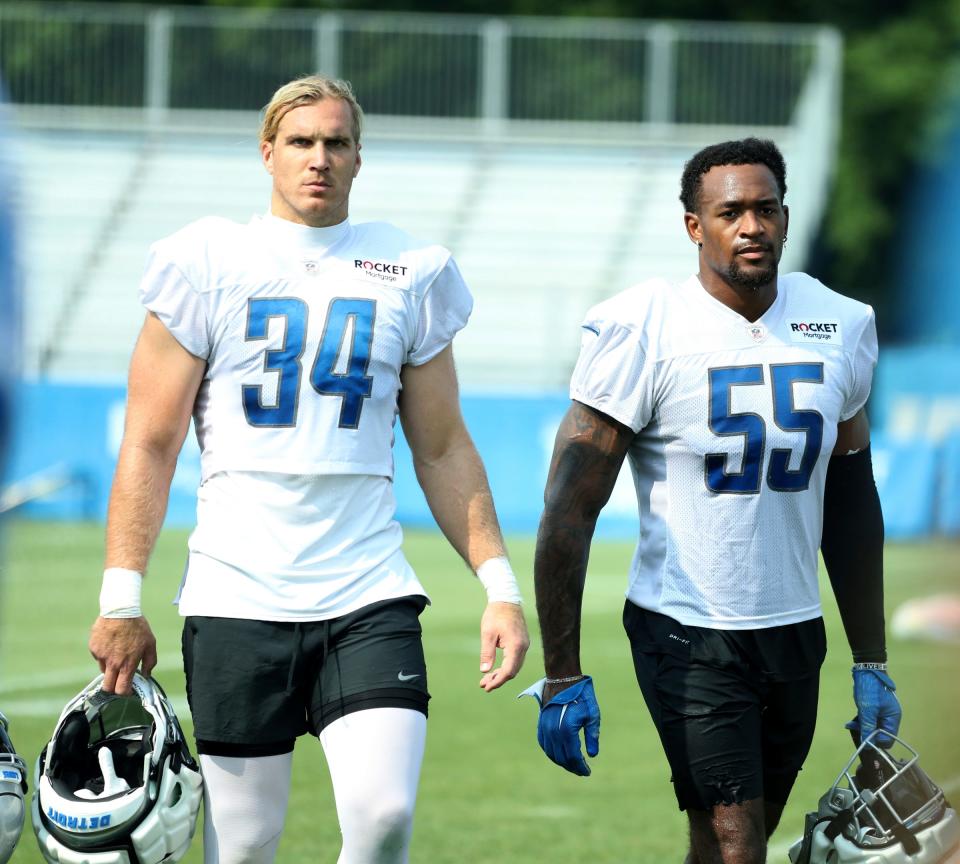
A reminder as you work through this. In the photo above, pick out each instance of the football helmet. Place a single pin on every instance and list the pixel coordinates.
(116, 783)
(13, 786)
(882, 809)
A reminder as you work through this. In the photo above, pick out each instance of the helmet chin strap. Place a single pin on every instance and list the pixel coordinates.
(112, 784)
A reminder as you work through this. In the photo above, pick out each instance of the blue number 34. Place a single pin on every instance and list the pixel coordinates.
(352, 385)
(751, 426)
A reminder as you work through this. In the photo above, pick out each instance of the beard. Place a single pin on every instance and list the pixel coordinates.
(752, 279)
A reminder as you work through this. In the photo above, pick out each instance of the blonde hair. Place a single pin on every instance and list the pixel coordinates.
(306, 91)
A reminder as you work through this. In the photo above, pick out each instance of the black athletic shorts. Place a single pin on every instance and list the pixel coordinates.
(255, 686)
(735, 709)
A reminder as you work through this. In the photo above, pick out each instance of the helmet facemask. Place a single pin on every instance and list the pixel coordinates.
(881, 808)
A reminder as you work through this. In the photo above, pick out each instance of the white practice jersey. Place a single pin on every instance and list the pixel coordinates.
(304, 331)
(735, 422)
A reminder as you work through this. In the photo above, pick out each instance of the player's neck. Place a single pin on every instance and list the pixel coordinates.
(749, 303)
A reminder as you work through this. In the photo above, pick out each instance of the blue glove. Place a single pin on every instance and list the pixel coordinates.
(877, 706)
(562, 718)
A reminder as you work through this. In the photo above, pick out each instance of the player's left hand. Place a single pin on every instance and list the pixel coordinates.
(502, 626)
(561, 719)
(877, 706)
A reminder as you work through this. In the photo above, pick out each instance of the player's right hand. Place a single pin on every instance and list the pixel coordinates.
(502, 626)
(120, 645)
(560, 722)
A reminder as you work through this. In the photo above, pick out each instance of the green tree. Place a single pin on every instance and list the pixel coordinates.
(899, 69)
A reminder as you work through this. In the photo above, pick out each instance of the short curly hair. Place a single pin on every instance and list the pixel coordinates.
(747, 151)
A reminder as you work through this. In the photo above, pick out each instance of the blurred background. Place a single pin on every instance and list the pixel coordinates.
(543, 144)
(544, 150)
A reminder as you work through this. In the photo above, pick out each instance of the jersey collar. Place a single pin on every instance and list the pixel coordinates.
(751, 332)
(316, 241)
(697, 292)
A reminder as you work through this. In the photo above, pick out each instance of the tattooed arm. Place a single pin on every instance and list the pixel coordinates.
(587, 456)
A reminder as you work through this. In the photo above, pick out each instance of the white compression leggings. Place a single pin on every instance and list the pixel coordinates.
(374, 758)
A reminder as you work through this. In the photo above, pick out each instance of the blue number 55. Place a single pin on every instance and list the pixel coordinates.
(724, 422)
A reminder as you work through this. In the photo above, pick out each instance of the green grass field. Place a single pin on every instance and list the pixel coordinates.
(487, 793)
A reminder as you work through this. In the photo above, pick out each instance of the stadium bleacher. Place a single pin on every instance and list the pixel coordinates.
(548, 207)
(550, 203)
(69, 187)
(541, 231)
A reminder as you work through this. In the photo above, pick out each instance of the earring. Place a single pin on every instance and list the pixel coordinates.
(699, 245)
(784, 239)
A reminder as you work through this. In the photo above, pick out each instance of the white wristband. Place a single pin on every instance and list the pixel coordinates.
(497, 577)
(120, 593)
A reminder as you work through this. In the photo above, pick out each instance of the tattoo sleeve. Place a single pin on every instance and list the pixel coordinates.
(589, 451)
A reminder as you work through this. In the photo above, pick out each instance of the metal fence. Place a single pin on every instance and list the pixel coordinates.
(412, 65)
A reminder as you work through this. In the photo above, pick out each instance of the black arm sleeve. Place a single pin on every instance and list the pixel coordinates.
(852, 548)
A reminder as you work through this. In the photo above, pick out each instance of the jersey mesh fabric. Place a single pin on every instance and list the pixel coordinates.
(305, 331)
(730, 523)
(274, 308)
(278, 547)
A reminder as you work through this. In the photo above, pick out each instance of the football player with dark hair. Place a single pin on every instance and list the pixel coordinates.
(738, 397)
(748, 151)
(294, 342)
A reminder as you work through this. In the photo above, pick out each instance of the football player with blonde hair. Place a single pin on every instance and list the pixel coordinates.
(305, 91)
(294, 341)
